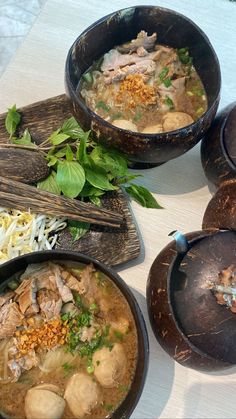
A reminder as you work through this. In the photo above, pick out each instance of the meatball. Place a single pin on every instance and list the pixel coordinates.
(176, 120)
(82, 394)
(125, 124)
(109, 365)
(43, 403)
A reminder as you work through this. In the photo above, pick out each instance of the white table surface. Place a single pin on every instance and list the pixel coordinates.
(37, 72)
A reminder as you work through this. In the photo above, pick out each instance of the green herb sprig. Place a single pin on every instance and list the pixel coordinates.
(80, 168)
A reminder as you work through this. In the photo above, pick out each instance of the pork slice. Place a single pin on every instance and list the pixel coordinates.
(63, 289)
(4, 298)
(25, 363)
(146, 67)
(10, 318)
(71, 281)
(23, 286)
(142, 40)
(114, 59)
(89, 285)
(28, 297)
(50, 303)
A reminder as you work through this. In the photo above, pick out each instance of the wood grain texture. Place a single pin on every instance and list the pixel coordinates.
(22, 165)
(108, 244)
(24, 196)
(36, 73)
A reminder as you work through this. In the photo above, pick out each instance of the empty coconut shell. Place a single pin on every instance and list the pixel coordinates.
(221, 210)
(22, 165)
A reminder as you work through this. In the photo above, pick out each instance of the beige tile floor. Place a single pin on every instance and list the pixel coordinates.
(16, 19)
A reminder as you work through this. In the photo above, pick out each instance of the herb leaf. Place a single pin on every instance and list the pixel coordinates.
(163, 73)
(98, 180)
(102, 105)
(78, 229)
(142, 196)
(24, 140)
(12, 120)
(57, 138)
(167, 82)
(49, 184)
(184, 57)
(169, 102)
(70, 178)
(69, 153)
(72, 128)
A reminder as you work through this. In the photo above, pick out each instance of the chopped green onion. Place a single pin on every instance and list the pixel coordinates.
(117, 115)
(163, 73)
(93, 307)
(102, 105)
(198, 91)
(200, 111)
(189, 93)
(137, 116)
(184, 57)
(167, 82)
(108, 407)
(123, 388)
(90, 367)
(169, 102)
(118, 334)
(88, 78)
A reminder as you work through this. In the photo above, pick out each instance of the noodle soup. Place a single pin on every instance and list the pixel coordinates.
(68, 343)
(145, 87)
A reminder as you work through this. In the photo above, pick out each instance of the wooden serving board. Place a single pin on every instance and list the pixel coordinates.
(109, 245)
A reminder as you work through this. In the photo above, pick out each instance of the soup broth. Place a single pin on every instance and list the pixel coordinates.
(73, 340)
(145, 87)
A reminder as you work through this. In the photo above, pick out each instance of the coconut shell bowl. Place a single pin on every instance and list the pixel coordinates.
(174, 30)
(183, 309)
(218, 148)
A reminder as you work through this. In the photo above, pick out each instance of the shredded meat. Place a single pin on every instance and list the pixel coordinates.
(142, 40)
(4, 298)
(10, 318)
(63, 289)
(145, 67)
(50, 303)
(27, 298)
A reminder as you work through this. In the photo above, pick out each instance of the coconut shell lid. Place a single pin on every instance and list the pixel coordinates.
(229, 137)
(221, 210)
(209, 326)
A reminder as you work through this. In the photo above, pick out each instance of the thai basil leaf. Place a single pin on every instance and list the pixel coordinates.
(78, 229)
(24, 140)
(61, 152)
(70, 178)
(69, 153)
(72, 128)
(109, 161)
(81, 154)
(57, 137)
(142, 196)
(95, 200)
(89, 190)
(98, 180)
(12, 120)
(50, 184)
(52, 160)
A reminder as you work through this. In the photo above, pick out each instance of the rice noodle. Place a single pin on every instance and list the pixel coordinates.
(25, 232)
